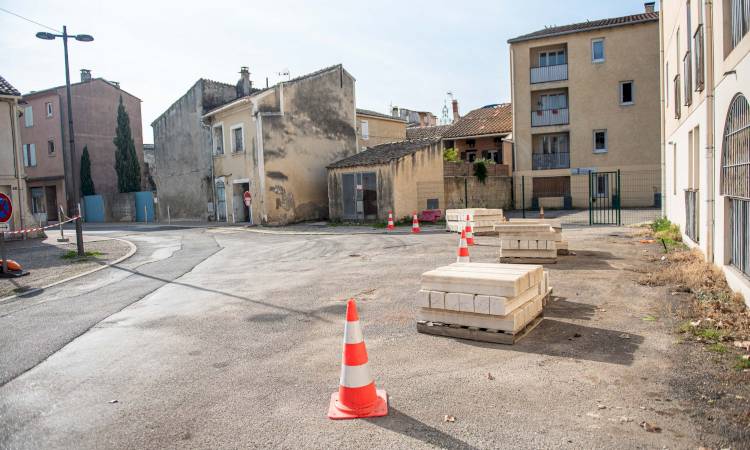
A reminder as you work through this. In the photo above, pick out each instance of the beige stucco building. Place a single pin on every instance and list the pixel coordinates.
(12, 175)
(374, 128)
(276, 143)
(402, 177)
(706, 129)
(586, 99)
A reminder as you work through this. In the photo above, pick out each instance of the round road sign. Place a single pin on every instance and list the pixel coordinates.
(6, 208)
(247, 197)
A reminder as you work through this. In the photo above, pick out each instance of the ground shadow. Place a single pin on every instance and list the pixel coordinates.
(568, 340)
(399, 422)
(586, 260)
(562, 308)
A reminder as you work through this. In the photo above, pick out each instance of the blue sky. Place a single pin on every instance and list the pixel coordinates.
(407, 54)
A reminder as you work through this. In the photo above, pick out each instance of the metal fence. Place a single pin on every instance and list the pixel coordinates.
(585, 197)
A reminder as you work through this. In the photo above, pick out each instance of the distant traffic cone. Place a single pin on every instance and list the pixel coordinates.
(415, 223)
(391, 226)
(469, 231)
(541, 212)
(357, 396)
(463, 249)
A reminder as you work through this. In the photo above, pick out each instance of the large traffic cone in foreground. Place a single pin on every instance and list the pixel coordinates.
(469, 231)
(463, 249)
(357, 396)
(391, 226)
(415, 223)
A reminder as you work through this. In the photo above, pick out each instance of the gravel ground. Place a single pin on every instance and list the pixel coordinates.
(245, 349)
(45, 264)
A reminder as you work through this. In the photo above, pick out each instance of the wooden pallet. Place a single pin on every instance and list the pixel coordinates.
(520, 260)
(477, 334)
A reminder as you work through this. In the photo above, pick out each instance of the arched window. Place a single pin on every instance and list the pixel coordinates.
(735, 181)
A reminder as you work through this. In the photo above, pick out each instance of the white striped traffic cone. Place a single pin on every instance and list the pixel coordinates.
(463, 249)
(415, 223)
(469, 231)
(391, 225)
(357, 396)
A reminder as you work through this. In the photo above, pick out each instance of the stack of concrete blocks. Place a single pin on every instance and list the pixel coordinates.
(527, 243)
(560, 242)
(482, 301)
(483, 220)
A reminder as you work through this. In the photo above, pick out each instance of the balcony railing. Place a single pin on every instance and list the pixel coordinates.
(547, 117)
(547, 161)
(549, 73)
(691, 215)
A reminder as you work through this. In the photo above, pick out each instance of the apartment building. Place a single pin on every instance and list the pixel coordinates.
(706, 129)
(585, 102)
(374, 128)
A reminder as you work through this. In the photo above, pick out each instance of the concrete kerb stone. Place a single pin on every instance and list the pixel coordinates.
(406, 232)
(131, 252)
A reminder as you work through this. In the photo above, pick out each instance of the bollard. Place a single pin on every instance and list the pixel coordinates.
(169, 218)
(2, 252)
(145, 214)
(79, 237)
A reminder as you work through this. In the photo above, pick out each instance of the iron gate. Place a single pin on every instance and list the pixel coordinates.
(604, 198)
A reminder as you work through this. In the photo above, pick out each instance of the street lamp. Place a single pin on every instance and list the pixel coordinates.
(70, 179)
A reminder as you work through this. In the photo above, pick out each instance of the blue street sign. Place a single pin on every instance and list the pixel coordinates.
(6, 208)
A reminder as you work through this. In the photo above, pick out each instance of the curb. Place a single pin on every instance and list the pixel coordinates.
(354, 233)
(130, 253)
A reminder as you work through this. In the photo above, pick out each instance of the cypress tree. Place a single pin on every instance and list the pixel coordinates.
(87, 183)
(126, 161)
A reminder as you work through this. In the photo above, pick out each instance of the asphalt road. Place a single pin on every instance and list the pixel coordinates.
(241, 348)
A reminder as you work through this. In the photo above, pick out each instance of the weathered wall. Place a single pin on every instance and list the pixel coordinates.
(380, 131)
(317, 128)
(182, 152)
(384, 174)
(416, 178)
(12, 183)
(494, 193)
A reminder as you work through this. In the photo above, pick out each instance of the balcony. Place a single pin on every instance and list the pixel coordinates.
(547, 117)
(549, 73)
(548, 161)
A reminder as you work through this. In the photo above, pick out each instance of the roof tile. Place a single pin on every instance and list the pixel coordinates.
(8, 89)
(588, 25)
(493, 119)
(383, 153)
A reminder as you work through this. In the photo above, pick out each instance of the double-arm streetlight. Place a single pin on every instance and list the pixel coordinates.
(70, 178)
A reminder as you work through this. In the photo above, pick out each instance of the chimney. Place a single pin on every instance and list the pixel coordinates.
(244, 85)
(456, 116)
(650, 6)
(85, 75)
(394, 111)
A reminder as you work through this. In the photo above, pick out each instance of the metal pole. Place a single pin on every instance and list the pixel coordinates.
(619, 199)
(466, 192)
(79, 237)
(145, 214)
(74, 195)
(169, 217)
(523, 195)
(2, 252)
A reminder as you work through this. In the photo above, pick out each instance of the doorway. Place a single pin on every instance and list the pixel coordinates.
(360, 196)
(50, 194)
(242, 213)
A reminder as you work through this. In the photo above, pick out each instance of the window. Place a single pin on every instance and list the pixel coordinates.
(238, 142)
(218, 139)
(699, 59)
(51, 147)
(433, 203)
(471, 143)
(688, 83)
(553, 58)
(29, 155)
(600, 141)
(365, 129)
(37, 200)
(48, 106)
(28, 117)
(221, 201)
(601, 186)
(626, 93)
(677, 102)
(552, 101)
(597, 50)
(471, 156)
(740, 19)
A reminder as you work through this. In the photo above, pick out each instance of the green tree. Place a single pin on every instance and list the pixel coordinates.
(126, 162)
(87, 183)
(480, 170)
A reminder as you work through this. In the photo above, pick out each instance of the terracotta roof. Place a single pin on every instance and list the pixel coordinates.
(109, 83)
(492, 119)
(7, 89)
(384, 153)
(368, 112)
(588, 26)
(426, 132)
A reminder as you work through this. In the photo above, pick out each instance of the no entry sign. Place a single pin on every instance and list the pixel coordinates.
(247, 198)
(6, 208)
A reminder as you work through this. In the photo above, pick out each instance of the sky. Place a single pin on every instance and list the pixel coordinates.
(402, 53)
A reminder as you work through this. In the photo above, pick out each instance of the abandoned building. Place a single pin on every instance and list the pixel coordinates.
(181, 142)
(275, 143)
(402, 177)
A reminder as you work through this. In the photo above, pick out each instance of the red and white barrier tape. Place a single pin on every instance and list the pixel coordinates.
(32, 230)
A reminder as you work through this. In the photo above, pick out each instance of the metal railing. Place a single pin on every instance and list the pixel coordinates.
(549, 73)
(547, 117)
(739, 222)
(692, 209)
(547, 161)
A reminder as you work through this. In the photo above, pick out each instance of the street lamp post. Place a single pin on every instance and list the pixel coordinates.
(70, 179)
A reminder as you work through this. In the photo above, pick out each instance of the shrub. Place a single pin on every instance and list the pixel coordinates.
(450, 155)
(480, 170)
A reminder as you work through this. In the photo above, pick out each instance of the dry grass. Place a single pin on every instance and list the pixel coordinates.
(715, 311)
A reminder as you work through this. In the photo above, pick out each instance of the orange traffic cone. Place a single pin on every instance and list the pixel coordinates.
(469, 231)
(357, 396)
(463, 249)
(415, 223)
(391, 226)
